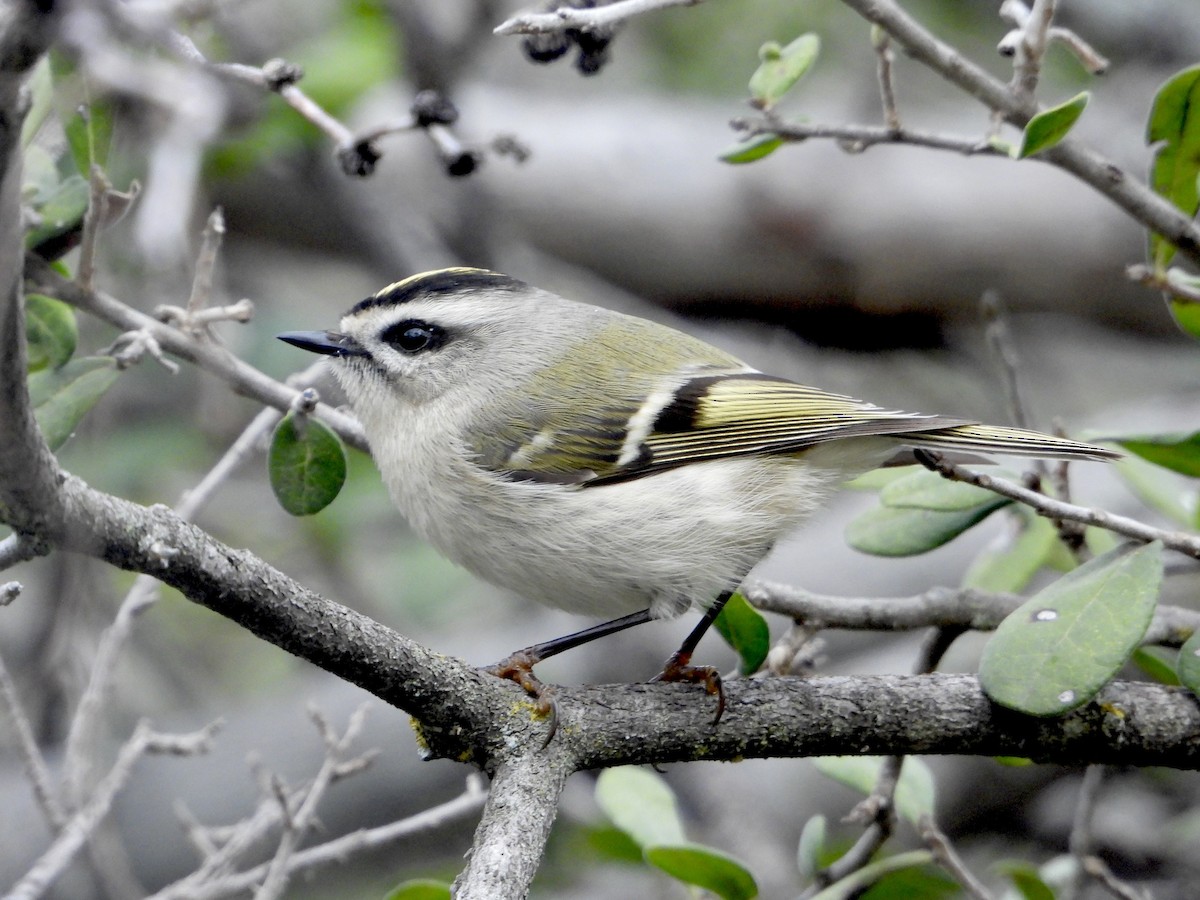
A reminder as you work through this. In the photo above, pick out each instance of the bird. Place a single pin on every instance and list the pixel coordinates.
(602, 463)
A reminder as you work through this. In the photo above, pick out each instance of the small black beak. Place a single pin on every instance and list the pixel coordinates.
(329, 343)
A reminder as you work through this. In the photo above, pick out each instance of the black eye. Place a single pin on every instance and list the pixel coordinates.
(413, 336)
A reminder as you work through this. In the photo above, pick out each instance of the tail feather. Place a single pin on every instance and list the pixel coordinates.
(1012, 441)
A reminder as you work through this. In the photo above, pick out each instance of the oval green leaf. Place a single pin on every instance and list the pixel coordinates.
(1188, 666)
(1175, 122)
(51, 331)
(307, 465)
(746, 631)
(929, 490)
(1155, 663)
(59, 213)
(1010, 569)
(1178, 451)
(1055, 651)
(1027, 880)
(61, 397)
(1186, 314)
(752, 149)
(704, 867)
(641, 804)
(420, 889)
(887, 531)
(811, 847)
(854, 884)
(1157, 488)
(915, 794)
(1051, 125)
(780, 68)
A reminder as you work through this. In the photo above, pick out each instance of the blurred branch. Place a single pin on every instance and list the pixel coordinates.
(35, 764)
(75, 833)
(1105, 176)
(857, 138)
(337, 851)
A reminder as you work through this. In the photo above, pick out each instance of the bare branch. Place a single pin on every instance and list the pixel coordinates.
(243, 378)
(31, 755)
(334, 852)
(1127, 192)
(857, 138)
(54, 861)
(946, 857)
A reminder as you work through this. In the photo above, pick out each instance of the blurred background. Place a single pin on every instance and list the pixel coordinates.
(860, 273)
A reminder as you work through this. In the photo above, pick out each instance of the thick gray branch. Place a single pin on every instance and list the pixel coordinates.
(511, 838)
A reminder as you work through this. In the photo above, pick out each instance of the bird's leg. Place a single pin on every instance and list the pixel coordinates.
(519, 666)
(679, 666)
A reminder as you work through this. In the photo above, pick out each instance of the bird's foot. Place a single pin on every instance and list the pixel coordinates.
(679, 668)
(519, 668)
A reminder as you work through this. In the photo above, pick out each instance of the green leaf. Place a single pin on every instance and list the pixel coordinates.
(746, 631)
(1186, 314)
(1051, 125)
(1155, 663)
(704, 867)
(915, 794)
(1060, 647)
(307, 465)
(639, 803)
(1188, 666)
(929, 490)
(887, 531)
(780, 68)
(61, 397)
(87, 120)
(1009, 569)
(1175, 121)
(811, 847)
(50, 330)
(854, 883)
(40, 87)
(1027, 881)
(1177, 451)
(59, 213)
(752, 149)
(1158, 488)
(420, 889)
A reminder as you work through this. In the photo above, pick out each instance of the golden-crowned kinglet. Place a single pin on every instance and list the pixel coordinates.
(597, 462)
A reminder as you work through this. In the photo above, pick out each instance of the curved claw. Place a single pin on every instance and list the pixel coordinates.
(678, 668)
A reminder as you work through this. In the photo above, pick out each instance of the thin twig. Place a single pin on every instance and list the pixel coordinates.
(1079, 842)
(31, 754)
(1056, 509)
(244, 378)
(301, 820)
(937, 607)
(74, 834)
(83, 734)
(19, 548)
(336, 851)
(857, 138)
(945, 856)
(882, 42)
